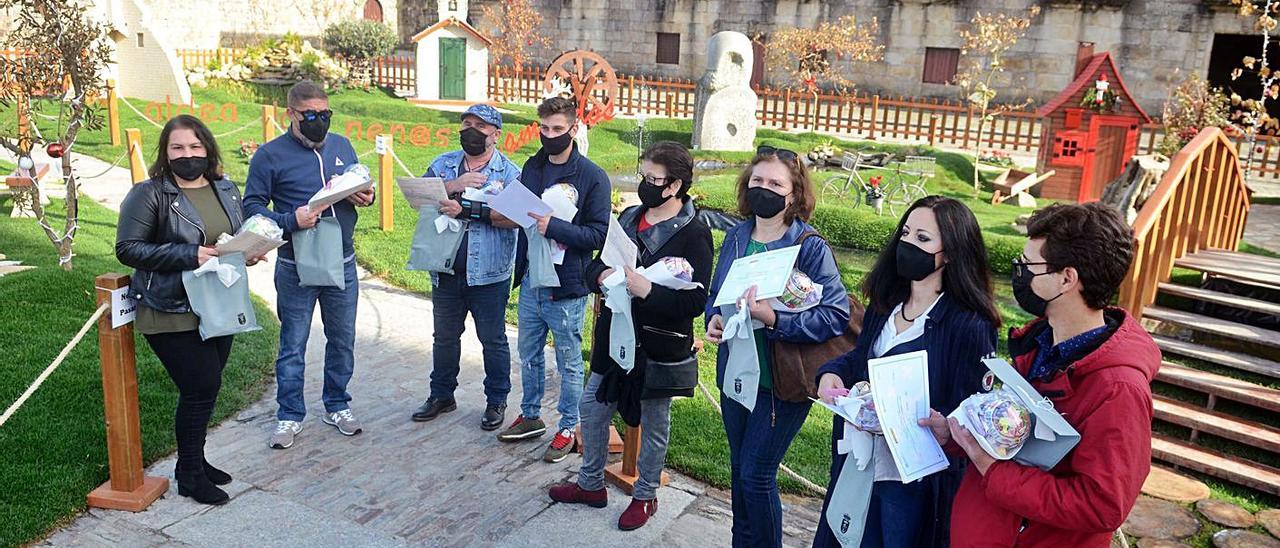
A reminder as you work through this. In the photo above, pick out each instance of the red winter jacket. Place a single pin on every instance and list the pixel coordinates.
(1106, 396)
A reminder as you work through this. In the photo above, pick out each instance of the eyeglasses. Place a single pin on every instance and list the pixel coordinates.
(657, 181)
(313, 115)
(1020, 268)
(781, 153)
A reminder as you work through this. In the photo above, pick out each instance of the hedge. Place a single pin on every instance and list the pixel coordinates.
(851, 228)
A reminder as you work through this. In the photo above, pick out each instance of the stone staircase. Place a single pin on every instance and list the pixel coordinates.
(1219, 379)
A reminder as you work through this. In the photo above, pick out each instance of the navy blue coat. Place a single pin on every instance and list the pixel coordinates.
(818, 324)
(582, 237)
(957, 339)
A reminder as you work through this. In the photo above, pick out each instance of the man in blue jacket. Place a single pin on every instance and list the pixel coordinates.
(287, 172)
(481, 281)
(559, 310)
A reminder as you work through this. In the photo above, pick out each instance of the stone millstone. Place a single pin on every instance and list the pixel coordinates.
(1157, 543)
(1225, 513)
(1166, 484)
(1270, 520)
(1160, 520)
(1235, 538)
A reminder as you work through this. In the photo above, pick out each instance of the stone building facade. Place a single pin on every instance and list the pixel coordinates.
(1152, 40)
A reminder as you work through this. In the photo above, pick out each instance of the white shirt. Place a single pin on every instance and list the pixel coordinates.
(889, 338)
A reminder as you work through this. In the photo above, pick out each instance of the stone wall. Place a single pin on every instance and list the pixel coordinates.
(1151, 39)
(207, 24)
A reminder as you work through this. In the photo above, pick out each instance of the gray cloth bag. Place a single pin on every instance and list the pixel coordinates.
(432, 250)
(742, 368)
(850, 500)
(318, 254)
(222, 310)
(542, 271)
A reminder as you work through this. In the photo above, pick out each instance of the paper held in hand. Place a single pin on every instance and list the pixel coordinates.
(619, 251)
(768, 271)
(420, 191)
(516, 202)
(251, 244)
(900, 388)
(355, 179)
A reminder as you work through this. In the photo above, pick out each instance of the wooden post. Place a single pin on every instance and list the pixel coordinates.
(24, 123)
(670, 112)
(631, 94)
(268, 123)
(137, 164)
(386, 172)
(933, 129)
(624, 474)
(113, 113)
(786, 108)
(968, 121)
(875, 115)
(128, 489)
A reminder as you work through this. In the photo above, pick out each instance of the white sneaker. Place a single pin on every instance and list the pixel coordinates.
(285, 431)
(344, 421)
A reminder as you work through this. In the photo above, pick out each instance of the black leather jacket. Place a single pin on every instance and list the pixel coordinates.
(159, 233)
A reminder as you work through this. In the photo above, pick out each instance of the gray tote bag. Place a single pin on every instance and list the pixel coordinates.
(318, 254)
(434, 250)
(222, 310)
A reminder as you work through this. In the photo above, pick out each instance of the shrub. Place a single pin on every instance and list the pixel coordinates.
(359, 43)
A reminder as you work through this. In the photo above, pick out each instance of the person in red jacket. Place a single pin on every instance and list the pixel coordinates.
(1095, 363)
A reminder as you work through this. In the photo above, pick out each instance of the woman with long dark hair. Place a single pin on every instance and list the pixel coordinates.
(168, 225)
(776, 196)
(930, 289)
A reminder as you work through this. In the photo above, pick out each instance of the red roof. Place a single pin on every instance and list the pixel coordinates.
(451, 22)
(1086, 78)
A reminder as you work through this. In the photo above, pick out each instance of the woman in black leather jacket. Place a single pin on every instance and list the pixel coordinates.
(169, 224)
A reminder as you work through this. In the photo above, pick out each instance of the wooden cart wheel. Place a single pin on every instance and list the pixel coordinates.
(592, 79)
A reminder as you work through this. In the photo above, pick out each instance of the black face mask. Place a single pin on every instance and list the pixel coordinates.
(1026, 296)
(314, 130)
(651, 194)
(189, 168)
(765, 203)
(556, 145)
(474, 142)
(913, 263)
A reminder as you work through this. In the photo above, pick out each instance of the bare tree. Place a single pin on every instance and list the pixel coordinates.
(515, 31)
(805, 54)
(60, 46)
(1252, 114)
(986, 41)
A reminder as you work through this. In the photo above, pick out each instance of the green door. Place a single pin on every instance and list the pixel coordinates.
(453, 68)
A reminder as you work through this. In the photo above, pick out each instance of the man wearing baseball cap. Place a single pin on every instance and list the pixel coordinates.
(481, 282)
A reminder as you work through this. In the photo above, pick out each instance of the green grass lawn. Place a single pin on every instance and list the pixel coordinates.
(54, 447)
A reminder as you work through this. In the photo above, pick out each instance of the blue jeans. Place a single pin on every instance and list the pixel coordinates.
(296, 305)
(537, 314)
(597, 419)
(451, 300)
(895, 513)
(758, 439)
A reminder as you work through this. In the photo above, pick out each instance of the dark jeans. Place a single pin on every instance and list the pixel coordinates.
(757, 441)
(196, 368)
(296, 305)
(451, 300)
(894, 515)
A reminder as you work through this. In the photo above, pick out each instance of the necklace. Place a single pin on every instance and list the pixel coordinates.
(903, 312)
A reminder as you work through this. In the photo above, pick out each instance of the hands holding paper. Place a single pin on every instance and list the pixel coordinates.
(471, 179)
(362, 198)
(542, 220)
(964, 438)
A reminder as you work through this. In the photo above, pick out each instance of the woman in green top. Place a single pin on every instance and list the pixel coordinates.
(169, 224)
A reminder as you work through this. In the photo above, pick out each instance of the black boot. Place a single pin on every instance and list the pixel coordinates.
(218, 477)
(195, 484)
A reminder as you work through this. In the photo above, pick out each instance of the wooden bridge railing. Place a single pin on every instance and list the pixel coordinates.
(1201, 203)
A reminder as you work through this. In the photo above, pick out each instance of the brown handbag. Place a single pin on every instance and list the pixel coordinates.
(794, 365)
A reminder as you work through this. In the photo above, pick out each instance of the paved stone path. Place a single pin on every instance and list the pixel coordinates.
(442, 483)
(1263, 227)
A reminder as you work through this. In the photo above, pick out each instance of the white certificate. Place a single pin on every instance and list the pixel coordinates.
(251, 244)
(421, 191)
(619, 251)
(342, 186)
(768, 271)
(900, 388)
(516, 202)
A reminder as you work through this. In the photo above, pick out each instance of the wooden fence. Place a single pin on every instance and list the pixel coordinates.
(1201, 202)
(394, 71)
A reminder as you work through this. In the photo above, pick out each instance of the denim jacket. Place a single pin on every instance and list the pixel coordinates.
(491, 252)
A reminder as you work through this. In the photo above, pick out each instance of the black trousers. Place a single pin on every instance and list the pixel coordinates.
(196, 368)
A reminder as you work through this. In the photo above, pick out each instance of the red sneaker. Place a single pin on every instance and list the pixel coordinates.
(637, 514)
(570, 493)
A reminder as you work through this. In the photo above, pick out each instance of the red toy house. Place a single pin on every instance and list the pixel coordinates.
(1089, 130)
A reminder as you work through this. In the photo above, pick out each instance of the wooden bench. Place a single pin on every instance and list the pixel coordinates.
(1014, 184)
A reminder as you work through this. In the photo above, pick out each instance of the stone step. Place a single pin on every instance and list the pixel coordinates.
(1218, 424)
(1244, 267)
(1234, 360)
(1220, 386)
(1207, 461)
(1215, 326)
(1218, 297)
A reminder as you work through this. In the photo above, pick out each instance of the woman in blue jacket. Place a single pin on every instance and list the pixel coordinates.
(930, 289)
(776, 196)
